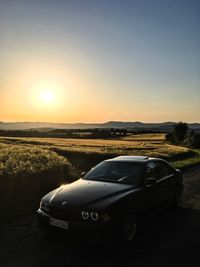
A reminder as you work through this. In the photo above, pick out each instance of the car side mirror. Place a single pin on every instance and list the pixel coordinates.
(178, 171)
(150, 181)
(82, 174)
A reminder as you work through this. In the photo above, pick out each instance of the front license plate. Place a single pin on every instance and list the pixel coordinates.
(59, 223)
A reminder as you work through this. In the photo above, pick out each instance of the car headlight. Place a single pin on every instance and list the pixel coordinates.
(85, 215)
(94, 216)
(44, 206)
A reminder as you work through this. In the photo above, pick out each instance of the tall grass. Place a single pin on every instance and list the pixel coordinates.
(85, 153)
(26, 173)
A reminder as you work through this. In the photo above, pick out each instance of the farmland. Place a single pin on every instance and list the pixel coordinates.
(83, 153)
(30, 167)
(149, 145)
(76, 150)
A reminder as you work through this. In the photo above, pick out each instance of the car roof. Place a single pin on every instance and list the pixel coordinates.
(133, 158)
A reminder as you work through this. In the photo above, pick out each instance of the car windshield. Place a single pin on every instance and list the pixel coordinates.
(116, 171)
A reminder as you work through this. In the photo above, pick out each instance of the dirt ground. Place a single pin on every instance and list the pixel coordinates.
(171, 239)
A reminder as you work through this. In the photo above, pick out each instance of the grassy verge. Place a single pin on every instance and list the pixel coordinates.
(184, 163)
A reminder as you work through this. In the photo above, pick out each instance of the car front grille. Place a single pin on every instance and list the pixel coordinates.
(64, 213)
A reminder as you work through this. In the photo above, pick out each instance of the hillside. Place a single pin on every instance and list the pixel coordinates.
(163, 126)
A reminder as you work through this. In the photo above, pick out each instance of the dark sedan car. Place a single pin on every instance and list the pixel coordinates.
(116, 194)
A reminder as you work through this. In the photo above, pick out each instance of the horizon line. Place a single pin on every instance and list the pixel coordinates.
(103, 122)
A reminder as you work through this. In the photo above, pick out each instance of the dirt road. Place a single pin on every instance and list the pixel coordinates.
(172, 239)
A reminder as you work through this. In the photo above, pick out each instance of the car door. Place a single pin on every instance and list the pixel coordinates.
(151, 192)
(167, 181)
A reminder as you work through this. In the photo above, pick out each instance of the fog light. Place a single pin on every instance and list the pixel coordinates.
(94, 216)
(106, 217)
(85, 215)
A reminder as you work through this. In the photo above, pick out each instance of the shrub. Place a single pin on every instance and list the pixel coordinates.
(192, 139)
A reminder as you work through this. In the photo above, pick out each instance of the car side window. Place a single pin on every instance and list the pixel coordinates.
(152, 170)
(165, 170)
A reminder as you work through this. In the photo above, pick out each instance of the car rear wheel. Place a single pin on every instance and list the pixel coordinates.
(129, 226)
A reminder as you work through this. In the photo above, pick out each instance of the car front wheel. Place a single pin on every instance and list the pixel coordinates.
(129, 226)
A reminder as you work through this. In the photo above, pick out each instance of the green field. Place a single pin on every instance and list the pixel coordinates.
(30, 167)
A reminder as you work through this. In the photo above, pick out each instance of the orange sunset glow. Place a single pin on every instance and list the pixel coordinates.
(66, 64)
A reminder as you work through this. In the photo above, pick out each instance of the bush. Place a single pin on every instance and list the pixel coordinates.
(27, 173)
(182, 135)
(192, 140)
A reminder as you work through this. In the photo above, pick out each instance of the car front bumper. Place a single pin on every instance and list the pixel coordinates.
(77, 227)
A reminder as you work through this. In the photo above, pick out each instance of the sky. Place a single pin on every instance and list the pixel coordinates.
(97, 61)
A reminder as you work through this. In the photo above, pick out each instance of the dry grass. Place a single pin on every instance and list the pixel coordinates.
(84, 153)
(145, 137)
(19, 159)
(26, 173)
(147, 144)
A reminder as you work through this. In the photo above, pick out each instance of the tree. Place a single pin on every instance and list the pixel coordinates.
(179, 132)
(169, 137)
(192, 139)
(182, 135)
(196, 141)
(188, 138)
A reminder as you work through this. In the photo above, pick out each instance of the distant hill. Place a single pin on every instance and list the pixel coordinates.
(41, 126)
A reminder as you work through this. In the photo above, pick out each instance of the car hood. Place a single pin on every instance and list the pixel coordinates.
(84, 192)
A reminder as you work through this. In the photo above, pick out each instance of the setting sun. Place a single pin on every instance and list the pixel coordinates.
(47, 96)
(47, 93)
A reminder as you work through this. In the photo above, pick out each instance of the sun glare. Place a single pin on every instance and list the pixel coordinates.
(47, 96)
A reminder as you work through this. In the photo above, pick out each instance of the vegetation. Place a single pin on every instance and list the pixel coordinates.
(182, 135)
(184, 163)
(67, 133)
(192, 139)
(26, 173)
(147, 144)
(84, 153)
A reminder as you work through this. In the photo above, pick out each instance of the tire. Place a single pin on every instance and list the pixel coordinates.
(129, 226)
